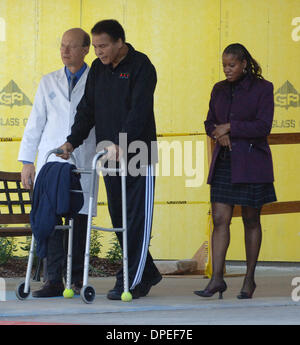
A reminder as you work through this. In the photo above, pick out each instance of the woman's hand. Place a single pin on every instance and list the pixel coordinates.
(224, 140)
(221, 130)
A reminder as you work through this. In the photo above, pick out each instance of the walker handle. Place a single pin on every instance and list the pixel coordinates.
(59, 151)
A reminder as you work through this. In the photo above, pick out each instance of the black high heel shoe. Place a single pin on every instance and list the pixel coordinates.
(247, 295)
(210, 292)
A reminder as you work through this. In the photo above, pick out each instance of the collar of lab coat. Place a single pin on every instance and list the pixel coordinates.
(61, 75)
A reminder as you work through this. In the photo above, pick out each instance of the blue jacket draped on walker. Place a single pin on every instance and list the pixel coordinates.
(52, 200)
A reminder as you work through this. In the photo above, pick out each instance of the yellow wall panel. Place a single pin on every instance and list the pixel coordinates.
(177, 230)
(246, 22)
(177, 35)
(92, 11)
(17, 66)
(284, 65)
(181, 172)
(53, 19)
(286, 172)
(279, 241)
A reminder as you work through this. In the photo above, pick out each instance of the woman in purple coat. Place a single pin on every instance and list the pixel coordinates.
(239, 119)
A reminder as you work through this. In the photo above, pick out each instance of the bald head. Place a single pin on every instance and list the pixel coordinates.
(80, 35)
(75, 44)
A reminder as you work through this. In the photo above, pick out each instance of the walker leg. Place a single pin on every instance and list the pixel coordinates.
(89, 222)
(126, 295)
(87, 245)
(29, 265)
(68, 292)
(87, 292)
(125, 262)
(23, 289)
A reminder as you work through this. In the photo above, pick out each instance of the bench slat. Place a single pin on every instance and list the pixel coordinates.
(14, 231)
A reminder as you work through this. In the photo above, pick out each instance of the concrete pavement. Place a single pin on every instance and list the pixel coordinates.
(171, 302)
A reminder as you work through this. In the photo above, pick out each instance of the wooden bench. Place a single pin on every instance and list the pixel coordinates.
(14, 202)
(15, 208)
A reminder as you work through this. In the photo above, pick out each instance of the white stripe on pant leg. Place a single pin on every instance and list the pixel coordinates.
(137, 277)
(149, 219)
(147, 226)
(148, 222)
(139, 271)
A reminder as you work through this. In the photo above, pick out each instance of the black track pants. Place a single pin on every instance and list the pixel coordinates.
(58, 248)
(140, 199)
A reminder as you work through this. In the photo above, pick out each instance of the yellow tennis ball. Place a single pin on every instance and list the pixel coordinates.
(126, 297)
(68, 293)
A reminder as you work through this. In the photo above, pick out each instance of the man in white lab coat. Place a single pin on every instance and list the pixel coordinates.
(49, 123)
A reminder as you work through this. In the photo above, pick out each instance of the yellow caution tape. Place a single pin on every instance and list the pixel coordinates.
(179, 134)
(170, 202)
(5, 139)
(180, 202)
(184, 202)
(10, 139)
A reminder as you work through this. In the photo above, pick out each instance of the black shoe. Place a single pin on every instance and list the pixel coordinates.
(50, 289)
(115, 294)
(247, 294)
(144, 287)
(76, 287)
(210, 292)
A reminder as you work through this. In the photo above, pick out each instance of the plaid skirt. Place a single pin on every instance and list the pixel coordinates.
(244, 194)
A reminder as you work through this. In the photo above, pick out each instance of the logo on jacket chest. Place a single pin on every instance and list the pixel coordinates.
(124, 75)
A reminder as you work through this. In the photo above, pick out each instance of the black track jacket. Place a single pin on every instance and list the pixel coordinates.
(117, 101)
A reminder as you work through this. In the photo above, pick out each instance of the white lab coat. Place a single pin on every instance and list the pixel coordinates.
(50, 123)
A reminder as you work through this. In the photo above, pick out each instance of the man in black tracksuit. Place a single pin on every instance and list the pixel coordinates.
(118, 99)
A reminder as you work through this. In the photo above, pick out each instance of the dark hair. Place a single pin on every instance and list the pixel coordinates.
(111, 27)
(252, 68)
(86, 40)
